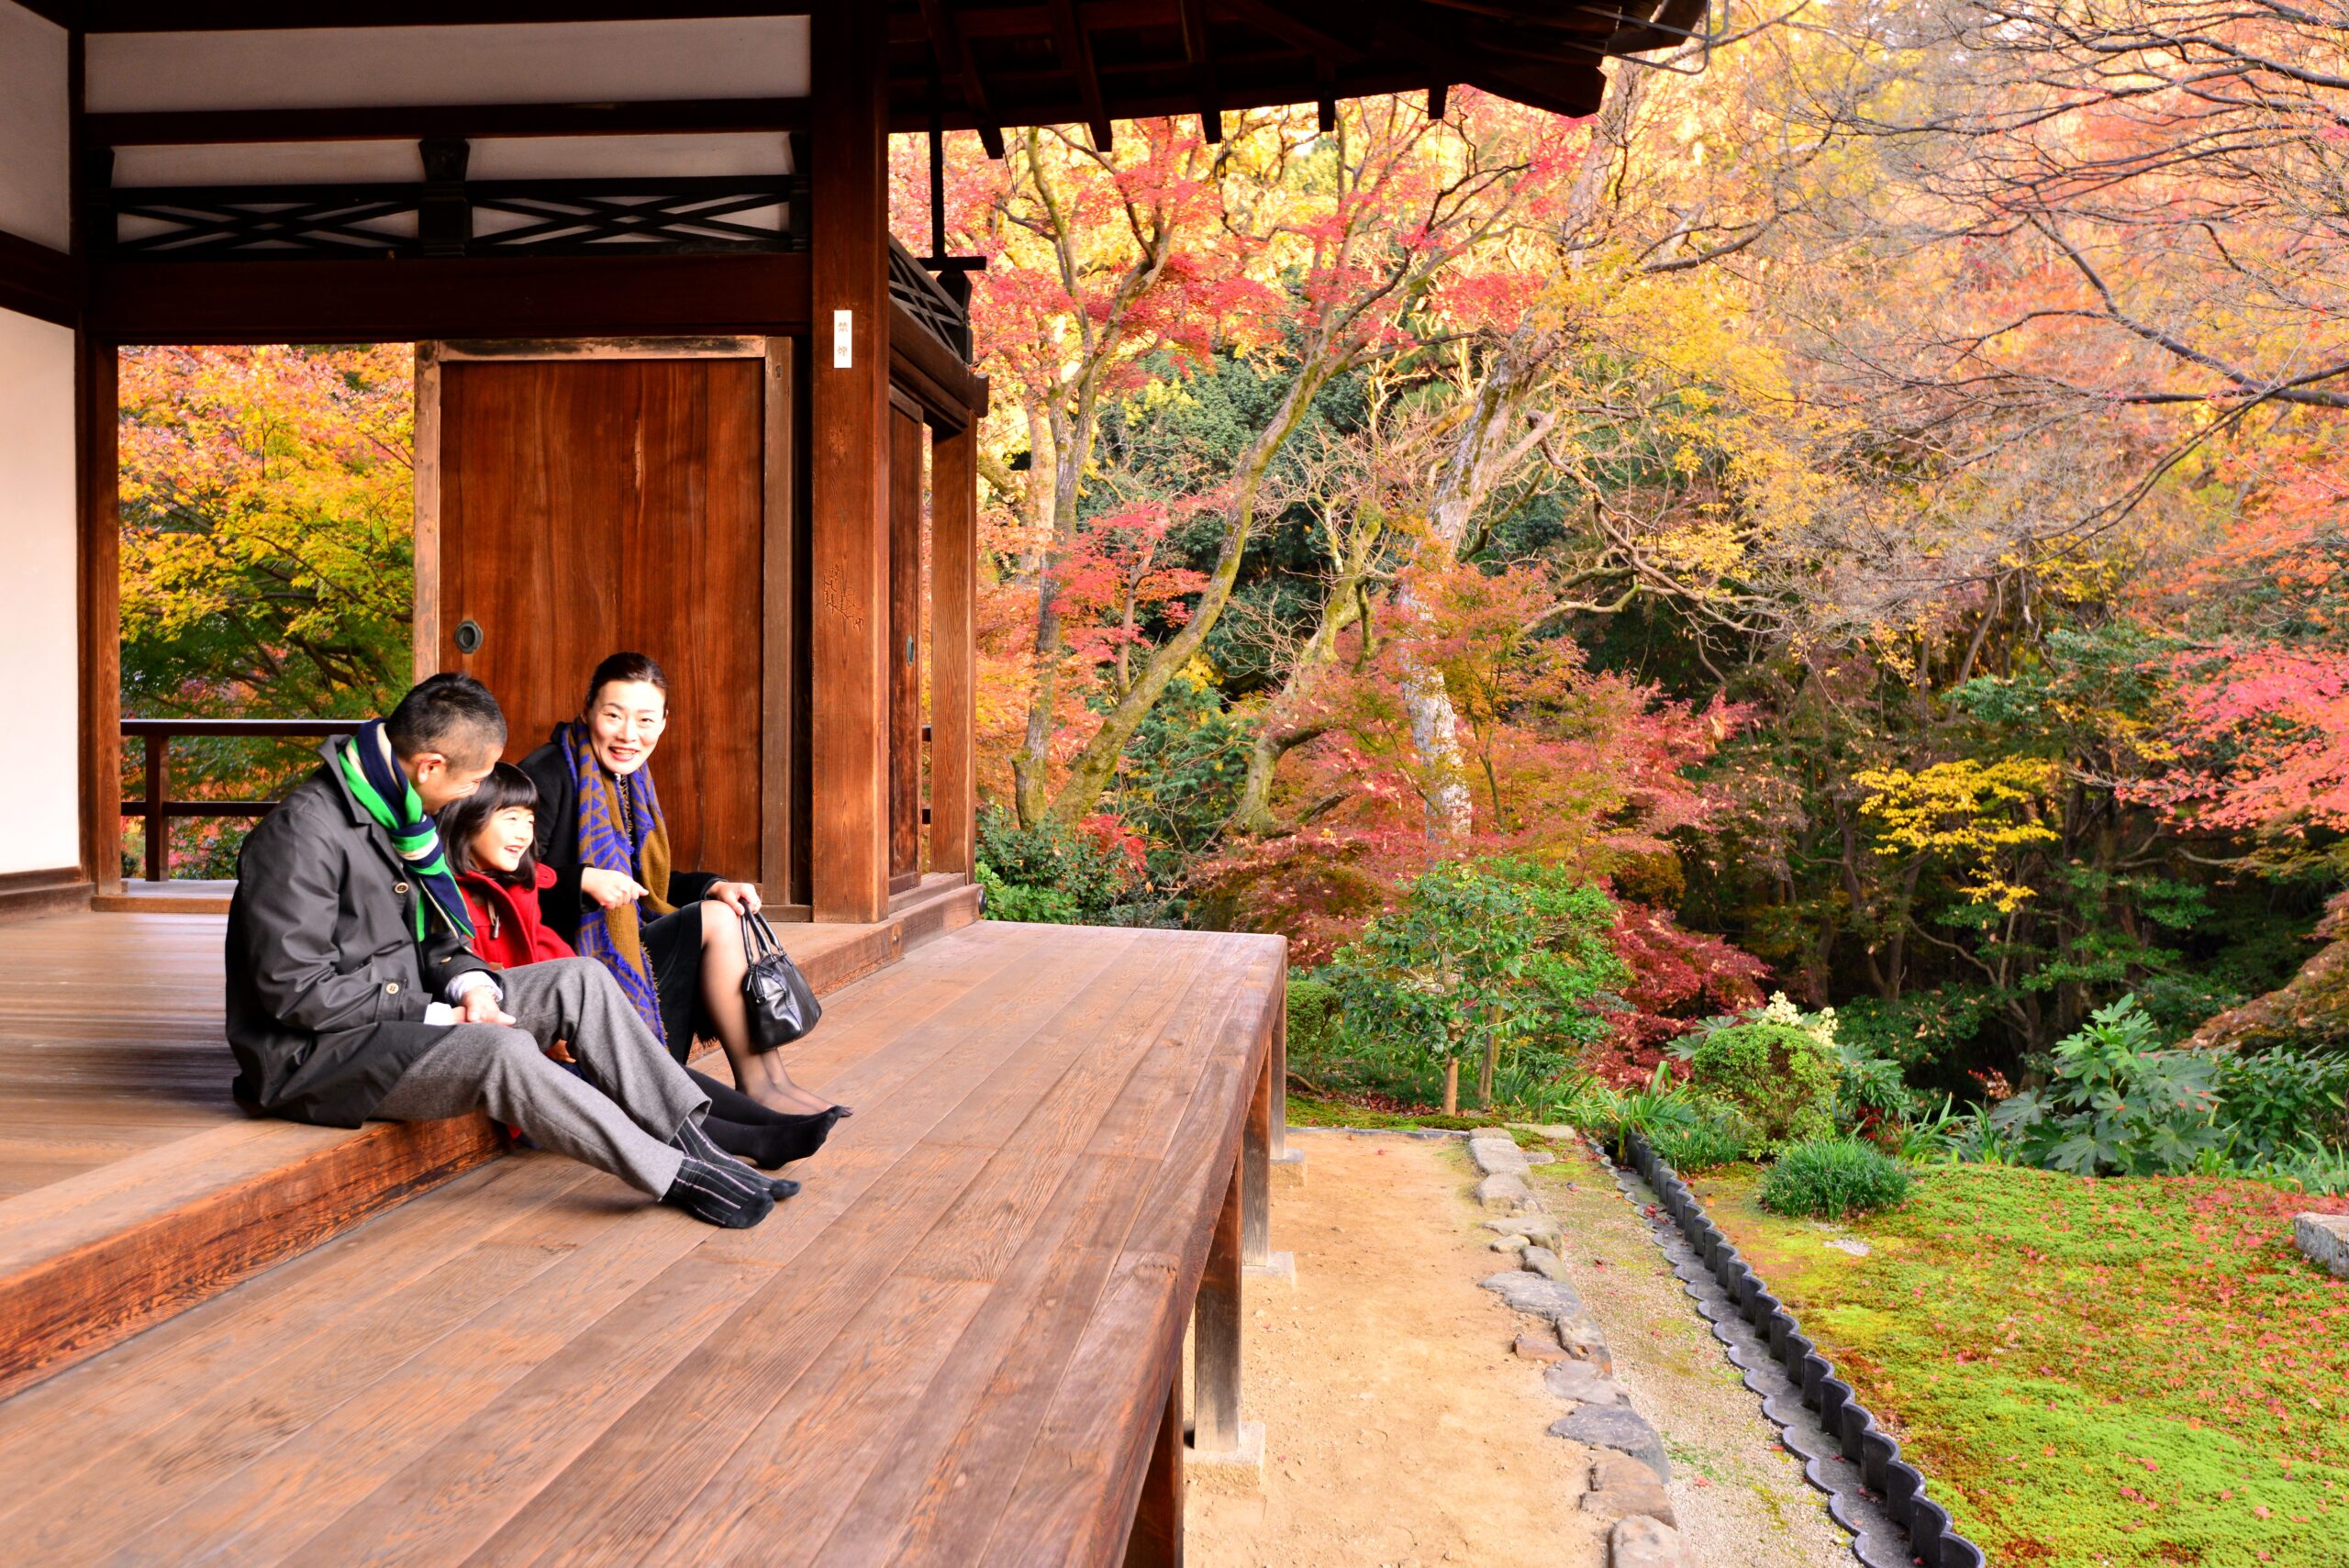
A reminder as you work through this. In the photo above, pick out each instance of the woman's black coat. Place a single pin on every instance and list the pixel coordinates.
(562, 905)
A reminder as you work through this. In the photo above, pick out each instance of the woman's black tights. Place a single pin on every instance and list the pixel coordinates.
(740, 1125)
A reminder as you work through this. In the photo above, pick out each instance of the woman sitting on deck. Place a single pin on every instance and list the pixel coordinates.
(674, 939)
(489, 835)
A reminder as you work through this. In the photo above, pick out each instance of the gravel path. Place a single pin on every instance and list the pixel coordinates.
(1400, 1431)
(1740, 1495)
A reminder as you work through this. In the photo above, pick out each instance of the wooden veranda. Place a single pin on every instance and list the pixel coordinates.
(960, 1344)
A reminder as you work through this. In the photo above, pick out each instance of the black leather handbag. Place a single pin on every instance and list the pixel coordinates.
(774, 993)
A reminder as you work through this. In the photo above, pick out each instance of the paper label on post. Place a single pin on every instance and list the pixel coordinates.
(843, 332)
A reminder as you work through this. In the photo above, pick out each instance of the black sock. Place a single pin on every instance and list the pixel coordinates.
(771, 1145)
(710, 1194)
(731, 1104)
(711, 1141)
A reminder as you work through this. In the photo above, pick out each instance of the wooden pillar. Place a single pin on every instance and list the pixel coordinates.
(99, 539)
(1215, 1347)
(848, 461)
(1156, 1539)
(953, 646)
(1255, 1173)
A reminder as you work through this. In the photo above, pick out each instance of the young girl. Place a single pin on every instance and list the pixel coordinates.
(487, 837)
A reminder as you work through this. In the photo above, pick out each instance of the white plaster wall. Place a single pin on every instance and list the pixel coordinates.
(36, 186)
(41, 782)
(561, 62)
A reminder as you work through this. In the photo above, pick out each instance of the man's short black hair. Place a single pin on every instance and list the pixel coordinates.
(454, 714)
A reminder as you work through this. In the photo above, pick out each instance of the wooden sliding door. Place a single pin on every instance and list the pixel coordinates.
(603, 497)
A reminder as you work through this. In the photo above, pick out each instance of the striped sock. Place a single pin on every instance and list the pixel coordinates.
(695, 1140)
(709, 1194)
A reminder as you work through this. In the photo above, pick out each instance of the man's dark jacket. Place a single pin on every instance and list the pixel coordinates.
(328, 984)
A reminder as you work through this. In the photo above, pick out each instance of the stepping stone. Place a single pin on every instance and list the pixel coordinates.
(1533, 1347)
(1643, 1543)
(1531, 1293)
(1645, 1498)
(1510, 1244)
(1612, 1469)
(1543, 1262)
(1584, 1384)
(1538, 1228)
(1504, 1190)
(1615, 1426)
(2325, 1239)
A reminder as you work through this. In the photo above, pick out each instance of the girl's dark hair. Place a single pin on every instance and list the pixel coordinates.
(506, 786)
(626, 667)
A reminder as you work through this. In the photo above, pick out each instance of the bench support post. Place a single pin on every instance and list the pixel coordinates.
(1156, 1539)
(1255, 1173)
(1216, 1332)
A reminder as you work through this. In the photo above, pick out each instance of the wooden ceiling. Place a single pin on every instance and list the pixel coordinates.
(987, 64)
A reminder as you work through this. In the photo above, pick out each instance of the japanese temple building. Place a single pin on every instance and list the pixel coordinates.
(645, 254)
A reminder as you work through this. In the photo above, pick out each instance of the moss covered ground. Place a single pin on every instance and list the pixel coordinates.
(2115, 1372)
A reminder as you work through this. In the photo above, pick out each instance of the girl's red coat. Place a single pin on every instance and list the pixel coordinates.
(507, 928)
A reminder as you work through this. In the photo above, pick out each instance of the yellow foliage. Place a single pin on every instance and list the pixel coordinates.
(1972, 811)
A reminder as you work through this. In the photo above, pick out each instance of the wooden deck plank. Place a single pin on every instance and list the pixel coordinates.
(965, 1469)
(1083, 1472)
(263, 1512)
(619, 1503)
(784, 1486)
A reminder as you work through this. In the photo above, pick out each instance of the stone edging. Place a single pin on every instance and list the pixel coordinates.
(1627, 1479)
(1871, 1490)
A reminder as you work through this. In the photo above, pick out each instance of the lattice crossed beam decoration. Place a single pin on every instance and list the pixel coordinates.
(567, 215)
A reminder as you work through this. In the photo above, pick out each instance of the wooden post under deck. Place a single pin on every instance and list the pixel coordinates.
(849, 458)
(1255, 1173)
(1156, 1539)
(1216, 1331)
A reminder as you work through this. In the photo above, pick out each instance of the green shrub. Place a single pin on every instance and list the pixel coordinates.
(2118, 1105)
(1312, 1026)
(1780, 1077)
(1715, 1137)
(1831, 1177)
(1052, 873)
(1480, 964)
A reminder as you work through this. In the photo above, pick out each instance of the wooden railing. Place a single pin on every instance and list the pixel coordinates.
(157, 808)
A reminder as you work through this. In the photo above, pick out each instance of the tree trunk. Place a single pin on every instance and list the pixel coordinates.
(1486, 1069)
(1452, 1085)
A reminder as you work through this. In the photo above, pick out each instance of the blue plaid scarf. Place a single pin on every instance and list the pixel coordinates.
(621, 829)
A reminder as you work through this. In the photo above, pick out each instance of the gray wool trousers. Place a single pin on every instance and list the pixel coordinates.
(620, 1122)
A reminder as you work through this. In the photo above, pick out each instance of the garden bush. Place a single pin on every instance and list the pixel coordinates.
(1778, 1077)
(1828, 1178)
(1052, 873)
(1714, 1136)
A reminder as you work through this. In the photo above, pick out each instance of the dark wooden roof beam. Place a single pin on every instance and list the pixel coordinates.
(953, 53)
(1200, 53)
(1076, 51)
(240, 16)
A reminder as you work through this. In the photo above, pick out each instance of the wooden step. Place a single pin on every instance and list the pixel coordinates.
(89, 1259)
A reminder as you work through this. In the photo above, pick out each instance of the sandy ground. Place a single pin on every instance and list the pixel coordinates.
(1400, 1430)
(1740, 1495)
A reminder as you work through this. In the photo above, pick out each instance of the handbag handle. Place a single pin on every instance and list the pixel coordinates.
(758, 938)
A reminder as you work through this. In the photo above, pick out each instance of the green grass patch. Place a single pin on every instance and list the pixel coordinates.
(2114, 1371)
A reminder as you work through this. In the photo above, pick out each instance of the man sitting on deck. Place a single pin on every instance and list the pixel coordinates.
(344, 906)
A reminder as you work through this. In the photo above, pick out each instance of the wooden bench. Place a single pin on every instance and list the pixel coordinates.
(958, 1345)
(212, 1194)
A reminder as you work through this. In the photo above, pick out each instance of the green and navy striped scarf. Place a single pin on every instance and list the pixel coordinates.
(376, 782)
